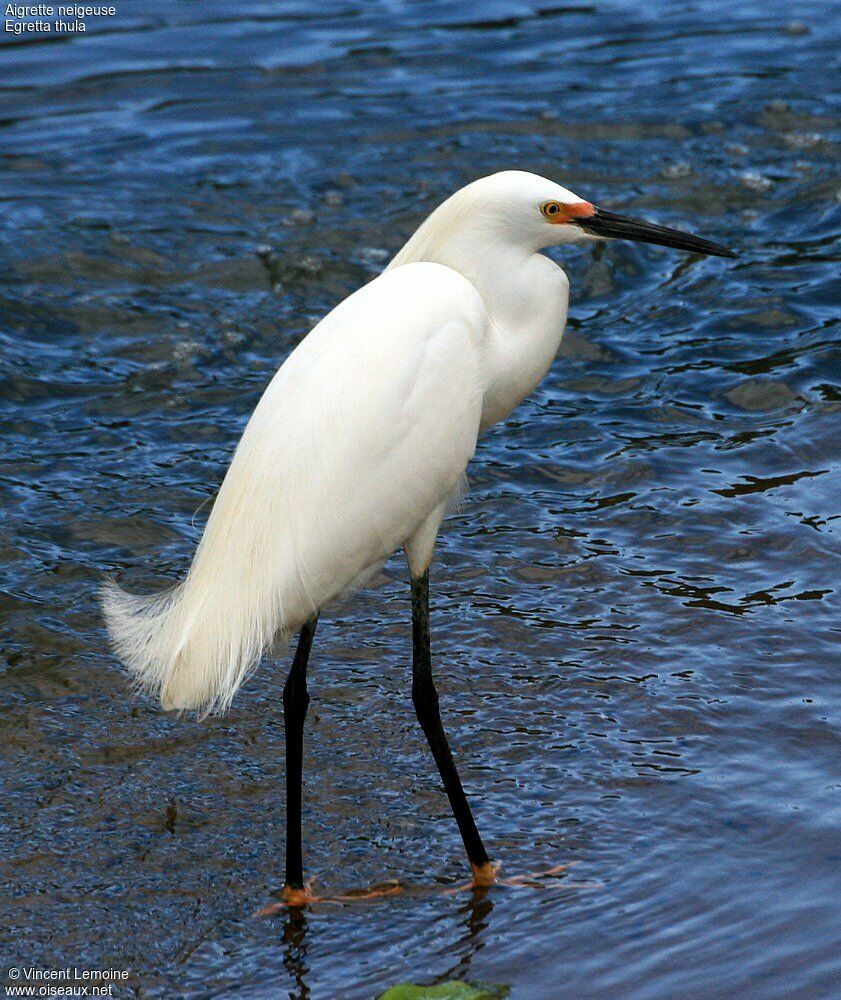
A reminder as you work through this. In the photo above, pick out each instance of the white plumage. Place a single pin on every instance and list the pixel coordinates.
(295, 522)
(363, 436)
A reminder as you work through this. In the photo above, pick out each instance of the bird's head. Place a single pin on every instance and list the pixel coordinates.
(536, 213)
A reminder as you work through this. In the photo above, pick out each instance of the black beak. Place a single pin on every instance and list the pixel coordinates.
(617, 227)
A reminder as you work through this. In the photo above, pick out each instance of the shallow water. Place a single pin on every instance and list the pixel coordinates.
(635, 612)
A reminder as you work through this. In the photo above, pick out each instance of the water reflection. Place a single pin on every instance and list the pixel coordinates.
(295, 929)
(472, 921)
(460, 934)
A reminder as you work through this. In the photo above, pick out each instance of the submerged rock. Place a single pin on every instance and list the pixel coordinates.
(760, 394)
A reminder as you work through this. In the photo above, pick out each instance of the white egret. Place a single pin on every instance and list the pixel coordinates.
(357, 448)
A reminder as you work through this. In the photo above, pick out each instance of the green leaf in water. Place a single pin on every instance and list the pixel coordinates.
(455, 990)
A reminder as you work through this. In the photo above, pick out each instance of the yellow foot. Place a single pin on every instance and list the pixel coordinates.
(487, 875)
(294, 898)
(390, 888)
(538, 880)
(483, 875)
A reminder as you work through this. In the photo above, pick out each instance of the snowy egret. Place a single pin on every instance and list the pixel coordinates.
(357, 448)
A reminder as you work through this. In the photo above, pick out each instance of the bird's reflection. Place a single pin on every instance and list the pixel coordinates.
(295, 952)
(473, 918)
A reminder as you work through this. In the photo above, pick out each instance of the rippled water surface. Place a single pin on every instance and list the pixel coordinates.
(636, 611)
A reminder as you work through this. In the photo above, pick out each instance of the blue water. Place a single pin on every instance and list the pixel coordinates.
(636, 611)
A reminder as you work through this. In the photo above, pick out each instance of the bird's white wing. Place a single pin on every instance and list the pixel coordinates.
(365, 430)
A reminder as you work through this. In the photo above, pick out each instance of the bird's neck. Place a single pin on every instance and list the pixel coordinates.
(526, 296)
(527, 303)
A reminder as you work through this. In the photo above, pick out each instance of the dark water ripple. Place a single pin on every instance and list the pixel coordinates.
(636, 611)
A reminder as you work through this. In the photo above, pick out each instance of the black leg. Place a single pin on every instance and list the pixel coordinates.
(425, 699)
(295, 702)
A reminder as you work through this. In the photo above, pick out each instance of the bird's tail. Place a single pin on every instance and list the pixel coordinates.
(195, 644)
(142, 631)
(186, 651)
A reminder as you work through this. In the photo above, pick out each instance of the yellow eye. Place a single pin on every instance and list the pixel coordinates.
(550, 209)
